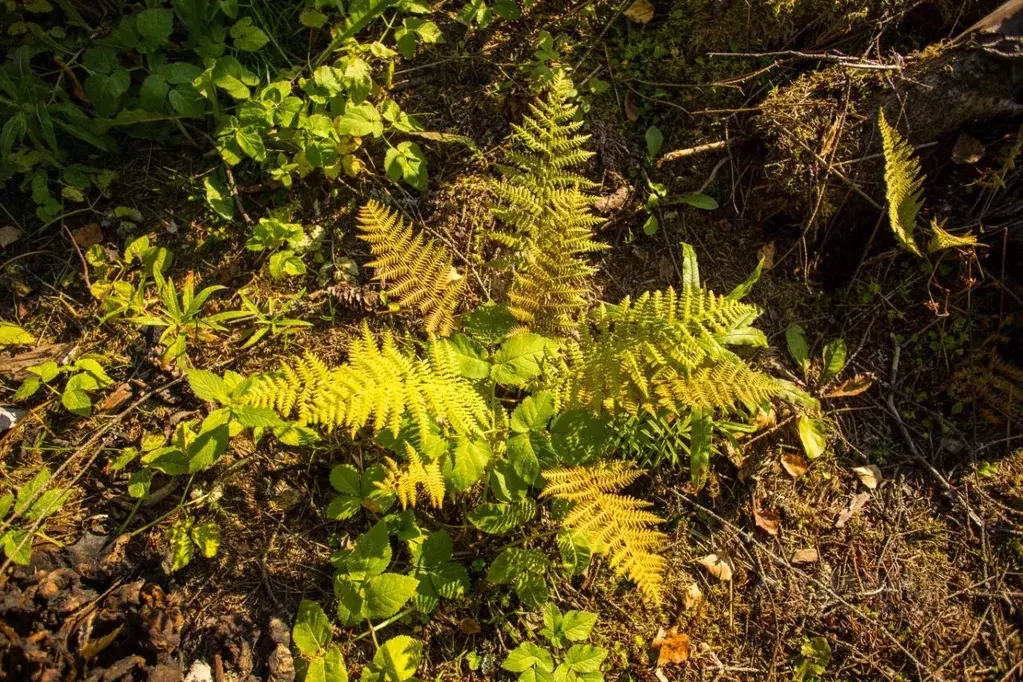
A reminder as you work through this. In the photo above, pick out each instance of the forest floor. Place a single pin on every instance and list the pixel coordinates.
(912, 570)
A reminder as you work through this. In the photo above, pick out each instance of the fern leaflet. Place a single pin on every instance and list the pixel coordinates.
(904, 184)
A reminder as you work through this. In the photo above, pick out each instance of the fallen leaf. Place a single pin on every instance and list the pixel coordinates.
(469, 626)
(88, 235)
(672, 645)
(805, 556)
(869, 475)
(120, 396)
(719, 566)
(850, 387)
(766, 254)
(8, 235)
(795, 465)
(693, 596)
(631, 110)
(612, 202)
(858, 502)
(764, 419)
(767, 521)
(967, 150)
(641, 11)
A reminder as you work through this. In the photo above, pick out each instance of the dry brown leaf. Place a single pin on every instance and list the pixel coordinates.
(869, 475)
(88, 235)
(612, 202)
(967, 150)
(795, 465)
(766, 253)
(850, 387)
(858, 502)
(8, 235)
(764, 419)
(718, 565)
(692, 597)
(659, 674)
(805, 556)
(119, 397)
(631, 110)
(469, 626)
(641, 11)
(672, 645)
(767, 521)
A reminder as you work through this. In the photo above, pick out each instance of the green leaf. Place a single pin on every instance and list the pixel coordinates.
(397, 659)
(27, 389)
(311, 18)
(697, 200)
(178, 73)
(387, 593)
(18, 546)
(12, 334)
(218, 197)
(406, 162)
(533, 413)
(76, 401)
(104, 91)
(361, 120)
(518, 360)
(699, 449)
(371, 555)
(5, 504)
(584, 658)
(346, 479)
(206, 537)
(312, 630)
(286, 263)
(489, 323)
(578, 437)
(834, 360)
(654, 140)
(186, 101)
(153, 93)
(513, 562)
(247, 37)
(182, 549)
(126, 457)
(812, 435)
(100, 59)
(506, 485)
(651, 225)
(690, 268)
(577, 625)
(575, 551)
(155, 27)
(29, 490)
(470, 356)
(507, 9)
(526, 656)
(524, 454)
(334, 666)
(531, 589)
(138, 486)
(497, 518)
(795, 338)
(740, 292)
(208, 386)
(229, 75)
(466, 463)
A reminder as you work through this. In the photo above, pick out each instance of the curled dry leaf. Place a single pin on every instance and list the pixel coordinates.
(641, 11)
(469, 626)
(718, 565)
(767, 521)
(968, 150)
(693, 596)
(120, 396)
(858, 502)
(850, 387)
(767, 253)
(805, 556)
(869, 475)
(672, 646)
(613, 202)
(795, 465)
(88, 235)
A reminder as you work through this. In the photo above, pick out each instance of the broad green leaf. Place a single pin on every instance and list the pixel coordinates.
(334, 666)
(206, 537)
(513, 562)
(524, 454)
(506, 485)
(834, 360)
(155, 27)
(528, 655)
(489, 323)
(518, 360)
(207, 447)
(104, 91)
(27, 492)
(312, 630)
(470, 356)
(12, 334)
(406, 162)
(654, 140)
(247, 37)
(208, 386)
(372, 553)
(27, 389)
(218, 197)
(466, 463)
(346, 479)
(584, 658)
(531, 588)
(5, 504)
(795, 338)
(229, 75)
(286, 263)
(18, 546)
(533, 413)
(398, 658)
(361, 120)
(575, 551)
(186, 101)
(153, 93)
(178, 73)
(351, 599)
(696, 200)
(577, 625)
(812, 435)
(311, 18)
(182, 549)
(76, 401)
(578, 437)
(507, 9)
(252, 417)
(138, 486)
(497, 518)
(651, 225)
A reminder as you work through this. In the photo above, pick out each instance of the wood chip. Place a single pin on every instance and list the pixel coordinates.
(804, 556)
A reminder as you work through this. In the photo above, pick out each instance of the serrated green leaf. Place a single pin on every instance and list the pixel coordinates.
(372, 553)
(518, 360)
(526, 656)
(208, 386)
(397, 659)
(312, 630)
(533, 413)
(182, 549)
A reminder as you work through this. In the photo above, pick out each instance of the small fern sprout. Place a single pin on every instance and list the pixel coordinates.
(904, 183)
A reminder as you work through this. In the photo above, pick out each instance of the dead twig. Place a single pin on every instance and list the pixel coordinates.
(677, 154)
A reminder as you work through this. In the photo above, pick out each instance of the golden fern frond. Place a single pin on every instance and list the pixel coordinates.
(406, 481)
(547, 217)
(617, 525)
(379, 385)
(415, 272)
(726, 383)
(904, 184)
(620, 362)
(941, 239)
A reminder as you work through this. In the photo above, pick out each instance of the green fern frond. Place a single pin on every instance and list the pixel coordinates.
(904, 183)
(379, 386)
(547, 217)
(617, 525)
(634, 355)
(415, 272)
(941, 239)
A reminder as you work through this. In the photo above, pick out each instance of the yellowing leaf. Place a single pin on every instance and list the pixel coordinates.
(719, 566)
(869, 475)
(812, 436)
(641, 11)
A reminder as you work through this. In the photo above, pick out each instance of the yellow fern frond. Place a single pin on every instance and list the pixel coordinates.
(941, 240)
(616, 525)
(904, 184)
(380, 385)
(547, 217)
(406, 481)
(415, 272)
